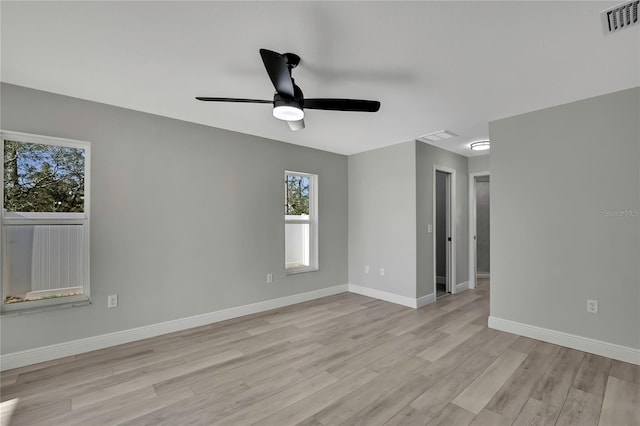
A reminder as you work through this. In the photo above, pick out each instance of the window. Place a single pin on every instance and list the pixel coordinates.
(300, 222)
(45, 221)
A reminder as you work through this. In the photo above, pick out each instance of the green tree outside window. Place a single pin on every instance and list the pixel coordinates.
(43, 178)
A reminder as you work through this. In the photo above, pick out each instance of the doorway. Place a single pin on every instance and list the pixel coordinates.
(479, 227)
(444, 229)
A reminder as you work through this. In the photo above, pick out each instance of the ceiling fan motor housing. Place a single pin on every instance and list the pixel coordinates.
(297, 101)
(279, 101)
(287, 108)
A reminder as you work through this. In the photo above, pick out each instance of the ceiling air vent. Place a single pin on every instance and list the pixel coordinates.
(437, 136)
(619, 17)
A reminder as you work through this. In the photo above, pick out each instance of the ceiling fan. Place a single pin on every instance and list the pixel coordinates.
(288, 101)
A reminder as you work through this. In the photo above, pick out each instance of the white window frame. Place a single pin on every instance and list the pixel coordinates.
(312, 221)
(11, 219)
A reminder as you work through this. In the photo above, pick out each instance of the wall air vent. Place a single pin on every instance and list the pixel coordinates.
(619, 17)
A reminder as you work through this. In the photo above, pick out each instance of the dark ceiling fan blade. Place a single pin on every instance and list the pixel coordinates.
(278, 71)
(247, 101)
(342, 104)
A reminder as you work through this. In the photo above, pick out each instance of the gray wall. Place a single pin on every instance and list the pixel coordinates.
(382, 219)
(565, 185)
(479, 164)
(185, 219)
(426, 157)
(390, 206)
(483, 208)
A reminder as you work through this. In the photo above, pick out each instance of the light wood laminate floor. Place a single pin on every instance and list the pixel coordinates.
(342, 360)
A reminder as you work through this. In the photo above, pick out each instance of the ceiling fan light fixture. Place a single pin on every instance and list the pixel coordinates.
(481, 145)
(288, 113)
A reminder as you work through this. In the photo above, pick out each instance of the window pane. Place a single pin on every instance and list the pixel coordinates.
(296, 195)
(43, 178)
(296, 245)
(42, 262)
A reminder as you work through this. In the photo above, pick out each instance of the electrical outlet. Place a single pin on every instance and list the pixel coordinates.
(430, 228)
(269, 278)
(366, 269)
(382, 272)
(112, 301)
(592, 306)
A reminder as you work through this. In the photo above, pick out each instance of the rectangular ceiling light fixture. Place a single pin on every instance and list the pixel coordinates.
(620, 16)
(437, 136)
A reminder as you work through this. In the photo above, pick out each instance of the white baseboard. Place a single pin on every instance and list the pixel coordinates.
(425, 300)
(462, 286)
(480, 275)
(383, 295)
(598, 347)
(441, 280)
(74, 347)
(393, 298)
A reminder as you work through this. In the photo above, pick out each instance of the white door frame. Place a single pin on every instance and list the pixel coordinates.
(451, 274)
(472, 227)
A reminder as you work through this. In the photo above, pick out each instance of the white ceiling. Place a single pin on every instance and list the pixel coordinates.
(433, 65)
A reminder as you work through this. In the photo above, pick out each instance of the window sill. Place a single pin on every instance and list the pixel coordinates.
(294, 271)
(21, 309)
